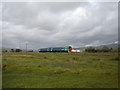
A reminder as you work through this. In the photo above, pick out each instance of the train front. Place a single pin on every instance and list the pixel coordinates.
(69, 49)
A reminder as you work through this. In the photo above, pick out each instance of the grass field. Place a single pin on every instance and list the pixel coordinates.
(60, 70)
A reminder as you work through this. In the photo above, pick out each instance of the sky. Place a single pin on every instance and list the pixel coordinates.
(53, 24)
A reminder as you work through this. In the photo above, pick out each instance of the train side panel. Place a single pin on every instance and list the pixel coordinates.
(56, 49)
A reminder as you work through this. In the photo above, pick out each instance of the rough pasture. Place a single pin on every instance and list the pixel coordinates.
(60, 70)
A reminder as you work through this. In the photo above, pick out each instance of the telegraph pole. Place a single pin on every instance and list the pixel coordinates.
(26, 49)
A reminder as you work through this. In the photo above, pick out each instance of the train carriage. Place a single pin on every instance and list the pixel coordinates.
(56, 49)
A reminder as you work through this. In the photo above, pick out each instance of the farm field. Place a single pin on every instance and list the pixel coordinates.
(60, 70)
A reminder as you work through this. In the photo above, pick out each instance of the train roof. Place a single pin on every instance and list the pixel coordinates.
(55, 47)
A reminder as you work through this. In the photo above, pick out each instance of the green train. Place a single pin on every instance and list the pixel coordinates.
(56, 49)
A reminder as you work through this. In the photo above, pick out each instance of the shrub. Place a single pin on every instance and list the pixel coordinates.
(18, 50)
(45, 57)
(115, 59)
(4, 66)
(90, 49)
(106, 49)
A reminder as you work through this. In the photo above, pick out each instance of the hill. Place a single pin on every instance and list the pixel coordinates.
(113, 46)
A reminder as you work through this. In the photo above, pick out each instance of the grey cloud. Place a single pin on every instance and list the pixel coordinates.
(59, 24)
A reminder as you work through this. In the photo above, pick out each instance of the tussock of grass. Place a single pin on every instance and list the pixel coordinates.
(115, 59)
(4, 66)
(79, 71)
(58, 70)
(45, 57)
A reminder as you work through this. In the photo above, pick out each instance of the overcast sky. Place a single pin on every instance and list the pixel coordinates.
(59, 24)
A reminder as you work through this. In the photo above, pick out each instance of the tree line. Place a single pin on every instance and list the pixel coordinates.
(103, 49)
(16, 50)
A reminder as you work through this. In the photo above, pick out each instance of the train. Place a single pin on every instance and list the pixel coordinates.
(56, 49)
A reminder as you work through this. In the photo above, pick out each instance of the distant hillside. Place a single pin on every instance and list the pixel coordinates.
(113, 46)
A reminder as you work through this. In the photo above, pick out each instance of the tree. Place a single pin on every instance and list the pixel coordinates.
(18, 50)
(90, 49)
(106, 49)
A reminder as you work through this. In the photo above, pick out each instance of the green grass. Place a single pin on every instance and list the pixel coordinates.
(0, 70)
(60, 70)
